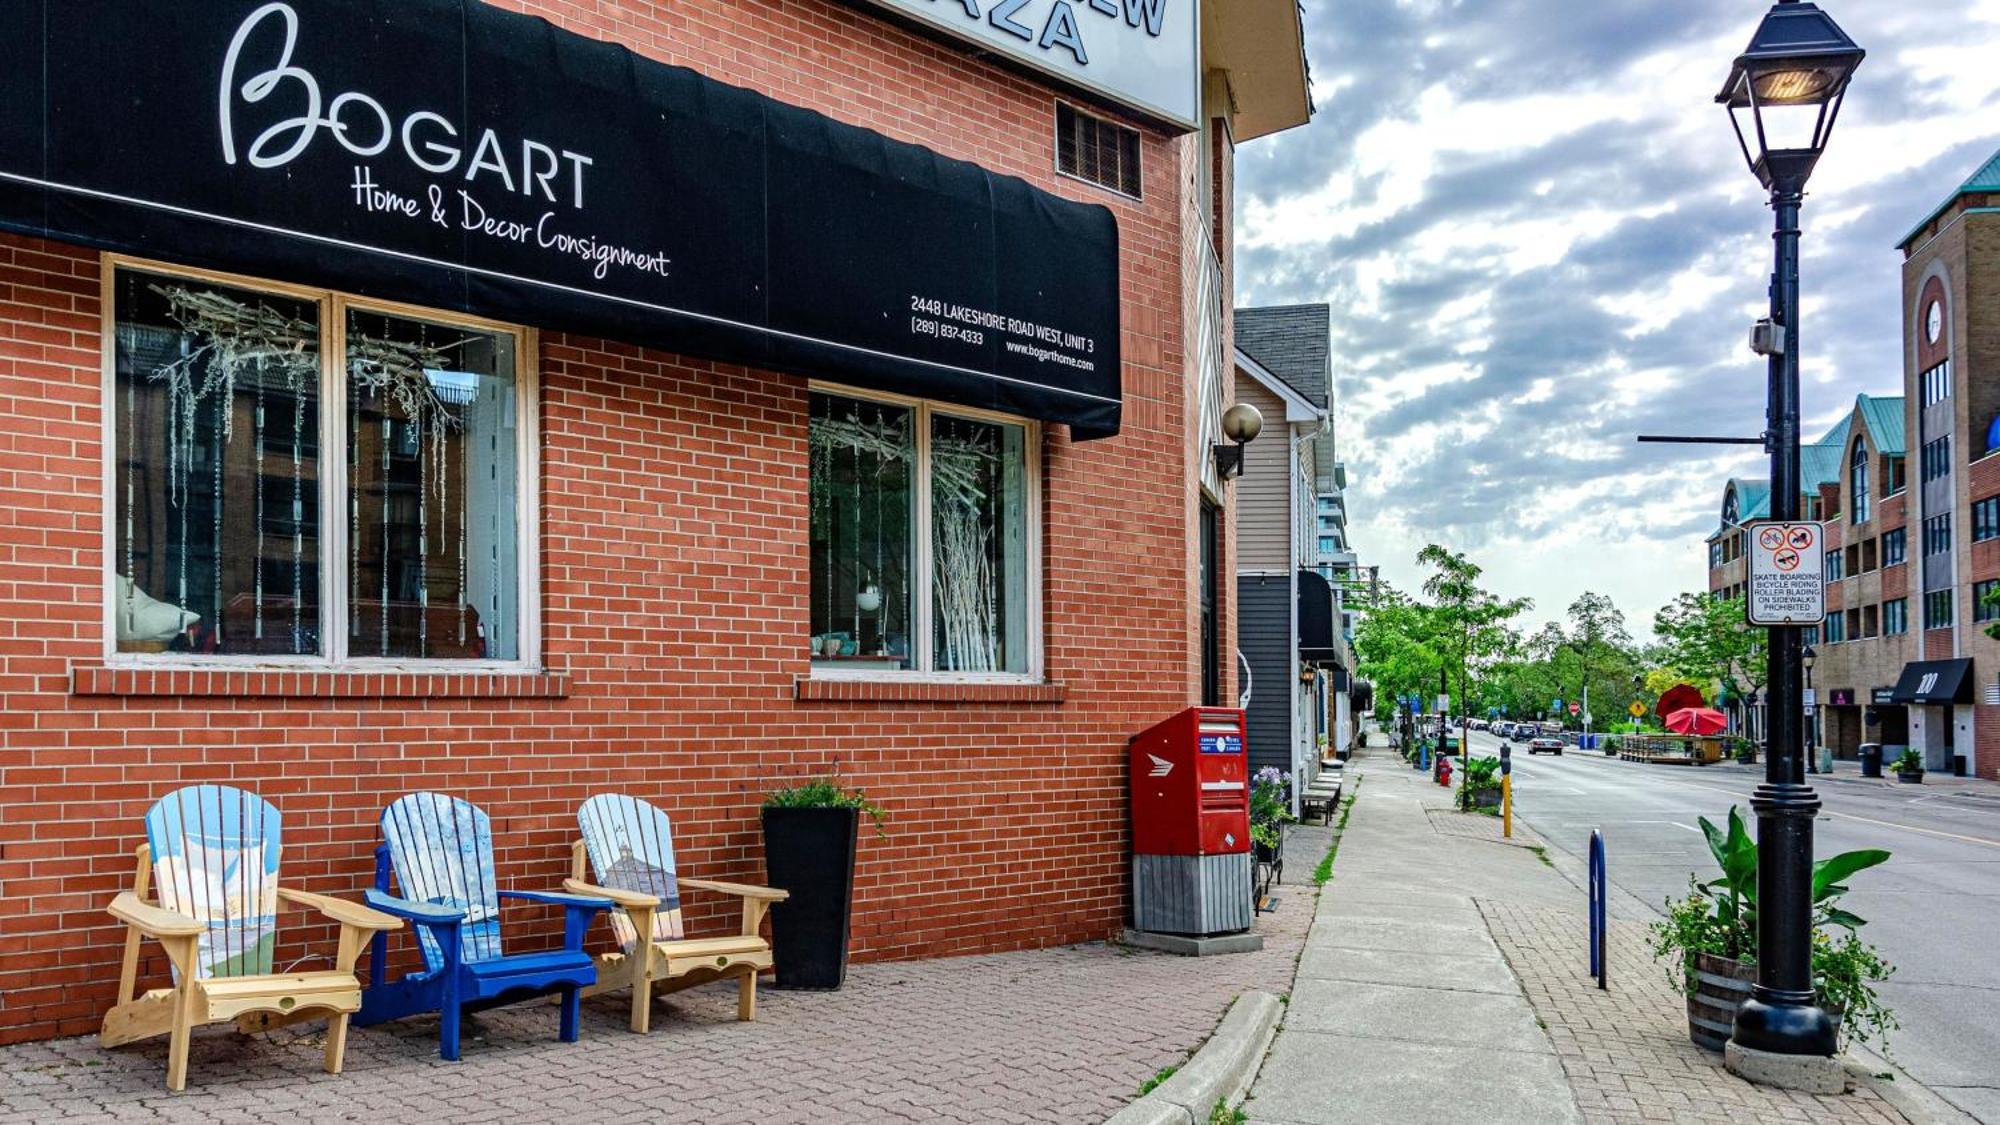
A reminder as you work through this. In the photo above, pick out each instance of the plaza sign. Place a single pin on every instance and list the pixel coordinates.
(1787, 573)
(1144, 54)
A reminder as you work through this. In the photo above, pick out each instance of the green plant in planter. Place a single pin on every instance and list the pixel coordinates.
(1845, 972)
(826, 793)
(1719, 917)
(1910, 761)
(1482, 775)
(1745, 751)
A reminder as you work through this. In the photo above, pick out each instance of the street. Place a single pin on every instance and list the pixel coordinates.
(1929, 908)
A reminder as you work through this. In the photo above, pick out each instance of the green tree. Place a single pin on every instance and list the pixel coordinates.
(1469, 622)
(1393, 644)
(1710, 639)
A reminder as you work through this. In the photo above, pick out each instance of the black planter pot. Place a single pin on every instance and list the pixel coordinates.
(1910, 777)
(810, 853)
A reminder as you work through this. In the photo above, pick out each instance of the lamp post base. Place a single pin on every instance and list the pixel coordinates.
(1810, 1074)
(1784, 1024)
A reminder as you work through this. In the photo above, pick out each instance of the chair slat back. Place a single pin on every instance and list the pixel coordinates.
(631, 846)
(215, 860)
(441, 851)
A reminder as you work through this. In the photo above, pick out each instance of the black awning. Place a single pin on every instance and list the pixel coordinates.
(1316, 635)
(451, 154)
(1934, 681)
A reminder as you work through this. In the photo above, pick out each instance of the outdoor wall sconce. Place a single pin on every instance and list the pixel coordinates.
(1240, 424)
(1308, 673)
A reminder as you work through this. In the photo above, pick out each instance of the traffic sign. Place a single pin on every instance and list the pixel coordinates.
(1637, 708)
(1556, 705)
(1787, 573)
(1575, 707)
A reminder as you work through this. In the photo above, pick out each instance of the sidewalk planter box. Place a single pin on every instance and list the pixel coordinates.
(1910, 777)
(1721, 985)
(810, 853)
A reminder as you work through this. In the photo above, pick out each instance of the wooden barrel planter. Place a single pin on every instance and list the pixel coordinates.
(1721, 985)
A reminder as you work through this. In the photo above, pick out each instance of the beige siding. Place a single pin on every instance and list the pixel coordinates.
(1263, 493)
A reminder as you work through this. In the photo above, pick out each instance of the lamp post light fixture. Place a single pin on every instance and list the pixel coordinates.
(1240, 424)
(1788, 86)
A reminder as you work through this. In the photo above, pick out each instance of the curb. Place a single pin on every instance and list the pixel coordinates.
(1918, 1103)
(1220, 1071)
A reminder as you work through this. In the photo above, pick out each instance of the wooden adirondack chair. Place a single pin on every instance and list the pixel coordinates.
(630, 844)
(213, 852)
(440, 851)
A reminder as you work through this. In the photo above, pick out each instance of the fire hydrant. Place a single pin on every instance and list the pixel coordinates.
(1444, 771)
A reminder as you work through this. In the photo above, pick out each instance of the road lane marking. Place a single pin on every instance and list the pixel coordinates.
(1689, 827)
(1980, 841)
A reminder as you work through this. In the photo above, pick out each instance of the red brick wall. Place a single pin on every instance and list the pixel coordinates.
(674, 601)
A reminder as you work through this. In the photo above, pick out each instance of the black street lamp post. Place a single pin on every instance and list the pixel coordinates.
(1789, 84)
(1806, 660)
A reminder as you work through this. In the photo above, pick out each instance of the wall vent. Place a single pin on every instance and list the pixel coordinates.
(1093, 149)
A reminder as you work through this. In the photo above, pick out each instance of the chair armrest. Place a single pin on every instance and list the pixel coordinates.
(552, 898)
(342, 911)
(625, 899)
(152, 920)
(421, 912)
(740, 890)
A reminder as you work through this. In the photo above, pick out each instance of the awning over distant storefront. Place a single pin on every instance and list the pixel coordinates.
(1934, 681)
(1316, 636)
(450, 154)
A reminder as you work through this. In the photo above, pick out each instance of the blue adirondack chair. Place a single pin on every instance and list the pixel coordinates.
(440, 851)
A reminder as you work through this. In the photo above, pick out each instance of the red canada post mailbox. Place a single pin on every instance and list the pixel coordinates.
(1191, 871)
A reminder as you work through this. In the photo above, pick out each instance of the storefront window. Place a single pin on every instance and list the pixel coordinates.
(920, 539)
(864, 458)
(979, 536)
(216, 470)
(224, 465)
(432, 490)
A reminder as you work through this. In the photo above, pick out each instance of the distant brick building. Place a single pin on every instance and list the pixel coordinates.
(469, 544)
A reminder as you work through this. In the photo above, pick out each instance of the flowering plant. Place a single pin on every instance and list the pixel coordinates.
(1270, 805)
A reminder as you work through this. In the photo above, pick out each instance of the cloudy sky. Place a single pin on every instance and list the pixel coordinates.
(1539, 240)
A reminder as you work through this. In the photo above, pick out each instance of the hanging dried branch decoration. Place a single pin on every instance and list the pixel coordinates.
(228, 341)
(962, 553)
(399, 371)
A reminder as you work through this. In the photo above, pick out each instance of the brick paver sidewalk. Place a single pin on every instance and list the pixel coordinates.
(1059, 1035)
(1626, 1050)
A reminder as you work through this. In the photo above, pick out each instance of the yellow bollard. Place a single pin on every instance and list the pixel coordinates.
(1507, 805)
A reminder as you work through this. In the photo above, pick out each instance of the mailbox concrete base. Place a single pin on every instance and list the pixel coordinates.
(1192, 946)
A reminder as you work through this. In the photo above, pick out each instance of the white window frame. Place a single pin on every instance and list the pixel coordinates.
(333, 481)
(922, 411)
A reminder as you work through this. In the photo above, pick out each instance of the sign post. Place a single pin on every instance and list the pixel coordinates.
(1787, 573)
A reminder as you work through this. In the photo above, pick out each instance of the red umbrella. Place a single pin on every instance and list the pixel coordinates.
(1697, 721)
(1677, 697)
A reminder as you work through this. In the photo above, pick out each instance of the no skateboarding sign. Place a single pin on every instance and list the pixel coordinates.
(1787, 573)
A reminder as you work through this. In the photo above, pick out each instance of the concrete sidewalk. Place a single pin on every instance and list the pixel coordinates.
(1444, 980)
(1404, 1009)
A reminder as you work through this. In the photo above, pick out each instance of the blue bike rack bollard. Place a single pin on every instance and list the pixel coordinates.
(1600, 961)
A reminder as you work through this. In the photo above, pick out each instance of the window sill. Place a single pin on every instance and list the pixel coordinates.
(315, 683)
(899, 690)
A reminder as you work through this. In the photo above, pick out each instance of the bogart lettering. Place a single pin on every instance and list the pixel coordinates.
(365, 127)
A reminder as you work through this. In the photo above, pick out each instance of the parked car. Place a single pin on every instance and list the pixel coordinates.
(1504, 730)
(1548, 744)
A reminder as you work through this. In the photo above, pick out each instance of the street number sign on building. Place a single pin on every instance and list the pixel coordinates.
(1787, 573)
